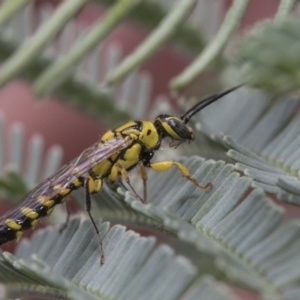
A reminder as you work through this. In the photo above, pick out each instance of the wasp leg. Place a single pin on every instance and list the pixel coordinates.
(163, 166)
(65, 224)
(118, 168)
(143, 171)
(90, 186)
(121, 183)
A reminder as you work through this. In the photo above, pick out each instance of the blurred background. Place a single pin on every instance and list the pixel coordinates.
(141, 96)
(72, 69)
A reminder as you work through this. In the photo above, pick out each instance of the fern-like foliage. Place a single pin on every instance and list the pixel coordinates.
(264, 144)
(232, 235)
(14, 181)
(266, 60)
(225, 233)
(131, 263)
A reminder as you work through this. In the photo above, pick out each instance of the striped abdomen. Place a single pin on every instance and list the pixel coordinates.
(28, 213)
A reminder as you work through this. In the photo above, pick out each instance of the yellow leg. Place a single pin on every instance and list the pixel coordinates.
(163, 166)
(94, 185)
(116, 169)
(143, 171)
(98, 186)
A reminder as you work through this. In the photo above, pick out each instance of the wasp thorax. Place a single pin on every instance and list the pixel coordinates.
(173, 127)
(148, 135)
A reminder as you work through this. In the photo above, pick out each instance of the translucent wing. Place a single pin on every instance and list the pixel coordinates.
(86, 160)
(66, 175)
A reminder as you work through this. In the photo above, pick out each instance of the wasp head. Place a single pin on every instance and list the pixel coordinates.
(175, 128)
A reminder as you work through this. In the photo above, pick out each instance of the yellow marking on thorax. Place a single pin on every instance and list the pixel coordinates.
(149, 135)
(12, 224)
(131, 132)
(125, 129)
(126, 126)
(46, 201)
(133, 153)
(109, 135)
(131, 156)
(120, 132)
(29, 213)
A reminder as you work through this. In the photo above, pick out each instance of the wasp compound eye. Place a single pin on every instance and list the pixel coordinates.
(181, 130)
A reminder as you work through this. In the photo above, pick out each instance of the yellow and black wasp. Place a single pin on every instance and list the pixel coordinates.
(119, 151)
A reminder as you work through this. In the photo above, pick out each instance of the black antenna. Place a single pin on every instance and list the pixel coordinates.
(205, 102)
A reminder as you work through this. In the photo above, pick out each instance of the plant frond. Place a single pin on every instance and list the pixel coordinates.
(248, 116)
(153, 42)
(263, 137)
(214, 48)
(273, 179)
(15, 180)
(28, 58)
(241, 115)
(35, 45)
(230, 231)
(216, 222)
(27, 290)
(265, 59)
(81, 48)
(267, 151)
(73, 91)
(150, 14)
(72, 267)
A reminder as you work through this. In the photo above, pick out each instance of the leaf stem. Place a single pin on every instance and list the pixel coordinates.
(81, 94)
(9, 9)
(284, 9)
(34, 46)
(214, 48)
(168, 27)
(51, 76)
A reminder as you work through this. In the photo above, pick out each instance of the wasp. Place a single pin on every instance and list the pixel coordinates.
(119, 151)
